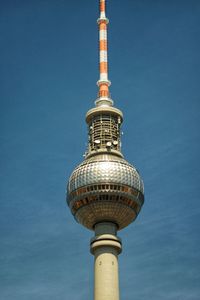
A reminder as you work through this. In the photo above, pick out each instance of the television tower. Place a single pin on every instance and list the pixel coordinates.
(105, 193)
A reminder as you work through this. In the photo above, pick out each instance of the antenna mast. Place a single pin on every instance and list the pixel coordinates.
(103, 82)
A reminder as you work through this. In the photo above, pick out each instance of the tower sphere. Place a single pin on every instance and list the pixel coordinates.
(105, 187)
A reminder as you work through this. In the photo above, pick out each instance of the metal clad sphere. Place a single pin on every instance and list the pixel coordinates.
(105, 188)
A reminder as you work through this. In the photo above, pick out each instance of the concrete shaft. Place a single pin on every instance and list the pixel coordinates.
(105, 248)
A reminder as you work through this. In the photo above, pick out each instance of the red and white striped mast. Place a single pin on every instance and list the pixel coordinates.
(103, 82)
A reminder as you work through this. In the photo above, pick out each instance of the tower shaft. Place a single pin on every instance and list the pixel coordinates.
(105, 247)
(105, 193)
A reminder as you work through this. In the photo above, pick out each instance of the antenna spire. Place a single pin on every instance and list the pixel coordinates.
(103, 82)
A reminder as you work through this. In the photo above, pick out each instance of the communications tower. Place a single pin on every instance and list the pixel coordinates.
(105, 193)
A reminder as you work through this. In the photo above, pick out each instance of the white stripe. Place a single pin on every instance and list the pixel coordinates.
(102, 35)
(102, 15)
(104, 76)
(103, 56)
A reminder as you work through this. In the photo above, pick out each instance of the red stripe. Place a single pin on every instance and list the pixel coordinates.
(103, 45)
(102, 6)
(103, 67)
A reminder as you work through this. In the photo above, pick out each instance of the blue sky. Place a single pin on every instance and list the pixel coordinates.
(48, 74)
